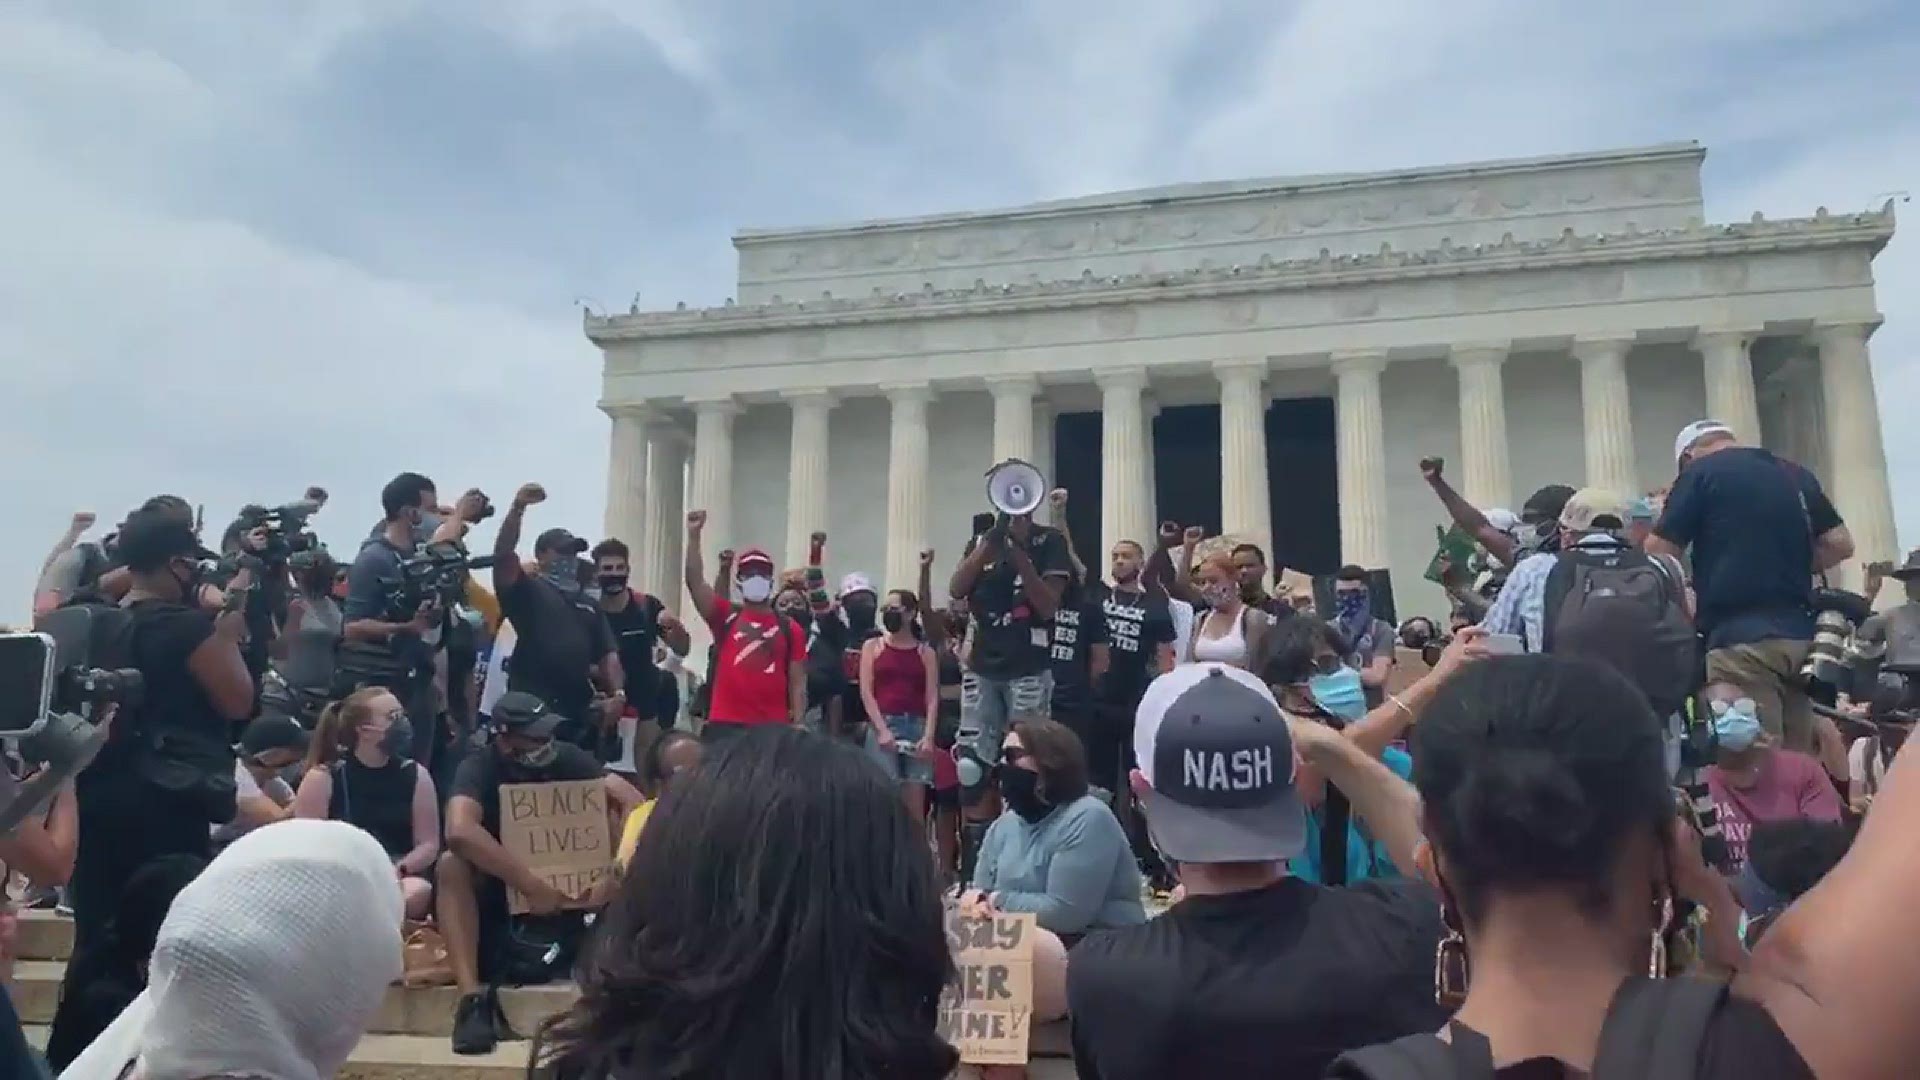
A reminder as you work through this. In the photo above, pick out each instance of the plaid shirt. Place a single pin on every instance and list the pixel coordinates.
(1521, 607)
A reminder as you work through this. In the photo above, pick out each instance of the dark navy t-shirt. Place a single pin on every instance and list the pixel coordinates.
(1750, 519)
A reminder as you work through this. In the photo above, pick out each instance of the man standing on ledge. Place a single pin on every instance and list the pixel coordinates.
(1759, 527)
(759, 669)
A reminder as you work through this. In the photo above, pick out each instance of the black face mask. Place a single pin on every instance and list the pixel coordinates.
(860, 613)
(893, 619)
(1020, 789)
(799, 614)
(613, 584)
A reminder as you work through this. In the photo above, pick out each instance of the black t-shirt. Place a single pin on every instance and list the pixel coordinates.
(175, 724)
(1750, 519)
(1078, 626)
(1138, 623)
(379, 801)
(483, 772)
(1273, 983)
(557, 638)
(826, 660)
(636, 630)
(853, 709)
(1010, 641)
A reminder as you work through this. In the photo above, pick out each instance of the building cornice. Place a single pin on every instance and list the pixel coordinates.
(1205, 194)
(1871, 229)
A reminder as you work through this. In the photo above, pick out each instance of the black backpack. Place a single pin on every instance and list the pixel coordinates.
(1616, 605)
(1654, 1031)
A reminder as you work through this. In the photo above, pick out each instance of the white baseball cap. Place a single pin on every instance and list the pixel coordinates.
(855, 582)
(1213, 746)
(1693, 433)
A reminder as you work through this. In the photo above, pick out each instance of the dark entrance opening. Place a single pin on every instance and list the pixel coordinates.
(1301, 473)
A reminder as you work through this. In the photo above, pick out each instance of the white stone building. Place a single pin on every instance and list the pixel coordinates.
(1270, 357)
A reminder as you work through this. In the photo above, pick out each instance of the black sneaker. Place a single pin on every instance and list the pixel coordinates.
(474, 1031)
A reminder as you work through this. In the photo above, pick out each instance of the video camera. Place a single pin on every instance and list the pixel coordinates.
(289, 541)
(1837, 613)
(52, 694)
(436, 573)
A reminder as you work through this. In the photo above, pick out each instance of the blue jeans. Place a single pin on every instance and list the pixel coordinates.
(904, 762)
(988, 706)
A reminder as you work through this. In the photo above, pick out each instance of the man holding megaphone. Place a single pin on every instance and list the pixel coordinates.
(1012, 579)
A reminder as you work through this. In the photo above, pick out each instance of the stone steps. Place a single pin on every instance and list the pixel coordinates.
(409, 1036)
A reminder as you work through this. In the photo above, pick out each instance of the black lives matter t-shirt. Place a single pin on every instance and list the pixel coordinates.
(1078, 626)
(1275, 983)
(1138, 623)
(1010, 641)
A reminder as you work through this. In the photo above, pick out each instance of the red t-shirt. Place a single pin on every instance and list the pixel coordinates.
(750, 671)
(1790, 785)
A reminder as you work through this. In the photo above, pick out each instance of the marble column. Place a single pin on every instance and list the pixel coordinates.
(1856, 458)
(806, 471)
(663, 538)
(1246, 503)
(1728, 367)
(1362, 452)
(1605, 404)
(1125, 512)
(1484, 467)
(1149, 413)
(712, 486)
(906, 484)
(1013, 417)
(626, 474)
(1043, 451)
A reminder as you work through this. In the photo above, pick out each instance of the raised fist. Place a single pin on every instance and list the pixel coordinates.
(317, 495)
(818, 539)
(1169, 533)
(83, 520)
(473, 505)
(926, 557)
(696, 520)
(726, 557)
(1430, 467)
(529, 495)
(1194, 535)
(1057, 498)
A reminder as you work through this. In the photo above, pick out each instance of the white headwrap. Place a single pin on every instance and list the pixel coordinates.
(269, 966)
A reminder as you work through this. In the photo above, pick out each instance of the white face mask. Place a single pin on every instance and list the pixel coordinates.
(756, 590)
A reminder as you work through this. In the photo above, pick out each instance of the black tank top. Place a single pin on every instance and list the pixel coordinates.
(379, 801)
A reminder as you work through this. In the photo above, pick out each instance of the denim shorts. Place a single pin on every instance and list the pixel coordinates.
(904, 762)
(988, 706)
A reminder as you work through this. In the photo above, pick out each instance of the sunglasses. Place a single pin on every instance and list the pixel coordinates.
(1745, 705)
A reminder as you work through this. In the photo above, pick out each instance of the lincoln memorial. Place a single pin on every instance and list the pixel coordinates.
(1269, 357)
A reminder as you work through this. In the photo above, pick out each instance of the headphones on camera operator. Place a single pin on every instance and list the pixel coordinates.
(1015, 488)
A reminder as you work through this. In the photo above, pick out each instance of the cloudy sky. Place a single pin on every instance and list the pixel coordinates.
(246, 246)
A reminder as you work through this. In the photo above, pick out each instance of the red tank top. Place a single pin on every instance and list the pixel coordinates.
(900, 681)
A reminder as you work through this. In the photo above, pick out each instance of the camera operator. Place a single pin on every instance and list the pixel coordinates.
(381, 647)
(166, 773)
(1759, 527)
(303, 649)
(563, 647)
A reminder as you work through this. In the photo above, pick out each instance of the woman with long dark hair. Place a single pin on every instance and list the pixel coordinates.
(1563, 865)
(779, 921)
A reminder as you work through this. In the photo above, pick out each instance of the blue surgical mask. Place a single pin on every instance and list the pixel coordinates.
(1340, 694)
(1736, 724)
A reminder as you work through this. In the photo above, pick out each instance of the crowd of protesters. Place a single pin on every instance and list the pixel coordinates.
(1605, 823)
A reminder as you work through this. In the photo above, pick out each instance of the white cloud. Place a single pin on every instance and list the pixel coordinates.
(154, 335)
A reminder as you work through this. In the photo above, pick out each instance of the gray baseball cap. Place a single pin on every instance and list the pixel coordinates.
(1213, 745)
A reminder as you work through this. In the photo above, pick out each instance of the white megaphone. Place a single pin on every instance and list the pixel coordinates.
(1015, 487)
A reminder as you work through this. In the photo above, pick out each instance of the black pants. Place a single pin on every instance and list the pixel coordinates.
(125, 823)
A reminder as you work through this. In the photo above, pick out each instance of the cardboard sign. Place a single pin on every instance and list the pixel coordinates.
(560, 830)
(987, 1012)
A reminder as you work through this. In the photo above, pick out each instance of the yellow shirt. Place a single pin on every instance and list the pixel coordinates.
(630, 833)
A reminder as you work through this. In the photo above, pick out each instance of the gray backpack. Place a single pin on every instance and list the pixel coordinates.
(1616, 605)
